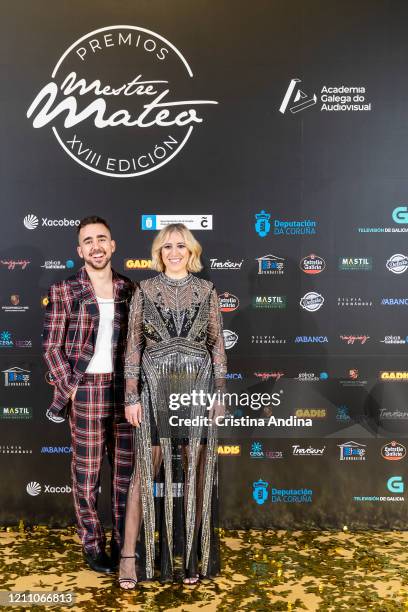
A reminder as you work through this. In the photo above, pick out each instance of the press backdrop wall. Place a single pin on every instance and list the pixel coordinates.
(262, 138)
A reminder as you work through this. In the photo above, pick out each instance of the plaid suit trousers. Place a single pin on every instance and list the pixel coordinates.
(95, 432)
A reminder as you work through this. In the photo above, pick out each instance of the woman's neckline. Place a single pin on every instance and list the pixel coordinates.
(176, 282)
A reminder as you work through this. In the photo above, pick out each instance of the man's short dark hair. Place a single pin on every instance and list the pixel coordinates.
(91, 220)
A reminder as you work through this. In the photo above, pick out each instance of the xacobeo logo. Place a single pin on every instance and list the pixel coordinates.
(31, 222)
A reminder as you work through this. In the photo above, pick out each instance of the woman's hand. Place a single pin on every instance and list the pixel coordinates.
(134, 414)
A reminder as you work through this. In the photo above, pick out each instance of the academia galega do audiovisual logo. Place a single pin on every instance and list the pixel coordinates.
(331, 98)
(131, 81)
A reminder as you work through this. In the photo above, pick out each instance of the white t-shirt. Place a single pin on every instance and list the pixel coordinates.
(102, 359)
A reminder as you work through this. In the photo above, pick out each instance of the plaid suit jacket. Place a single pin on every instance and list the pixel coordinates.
(71, 327)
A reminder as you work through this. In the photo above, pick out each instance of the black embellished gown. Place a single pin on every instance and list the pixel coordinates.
(175, 346)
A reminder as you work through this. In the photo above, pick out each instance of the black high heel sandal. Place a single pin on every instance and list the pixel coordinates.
(131, 580)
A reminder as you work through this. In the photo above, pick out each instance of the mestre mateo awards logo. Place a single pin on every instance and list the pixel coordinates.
(118, 101)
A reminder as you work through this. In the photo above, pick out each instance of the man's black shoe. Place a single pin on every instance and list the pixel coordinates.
(99, 562)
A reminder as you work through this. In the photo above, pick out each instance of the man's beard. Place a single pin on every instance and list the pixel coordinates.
(97, 266)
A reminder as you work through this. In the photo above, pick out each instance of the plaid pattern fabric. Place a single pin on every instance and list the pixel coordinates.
(70, 330)
(95, 431)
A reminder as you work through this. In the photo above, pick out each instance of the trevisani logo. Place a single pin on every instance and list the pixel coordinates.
(142, 100)
(342, 98)
(31, 222)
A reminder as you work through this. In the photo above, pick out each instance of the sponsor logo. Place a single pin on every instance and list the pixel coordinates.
(341, 98)
(15, 413)
(15, 264)
(353, 379)
(354, 302)
(57, 264)
(297, 98)
(228, 450)
(283, 227)
(56, 450)
(228, 302)
(311, 376)
(262, 224)
(342, 414)
(311, 339)
(310, 451)
(6, 341)
(267, 339)
(233, 376)
(394, 340)
(311, 413)
(397, 263)
(230, 338)
(53, 418)
(35, 488)
(392, 415)
(352, 451)
(395, 484)
(16, 377)
(393, 376)
(312, 301)
(265, 376)
(400, 214)
(137, 264)
(15, 305)
(257, 452)
(14, 449)
(270, 264)
(292, 496)
(217, 264)
(356, 263)
(31, 222)
(312, 264)
(260, 492)
(46, 222)
(269, 301)
(393, 451)
(354, 339)
(394, 301)
(194, 222)
(145, 100)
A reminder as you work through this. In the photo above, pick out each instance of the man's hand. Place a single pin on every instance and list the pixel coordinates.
(134, 414)
(73, 394)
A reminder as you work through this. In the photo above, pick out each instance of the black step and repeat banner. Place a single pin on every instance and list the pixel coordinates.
(278, 132)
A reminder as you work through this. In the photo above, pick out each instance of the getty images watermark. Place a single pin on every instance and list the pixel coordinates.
(220, 404)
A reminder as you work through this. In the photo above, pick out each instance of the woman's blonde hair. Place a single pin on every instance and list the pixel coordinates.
(194, 262)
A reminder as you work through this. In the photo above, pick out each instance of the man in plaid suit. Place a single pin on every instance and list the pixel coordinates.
(84, 338)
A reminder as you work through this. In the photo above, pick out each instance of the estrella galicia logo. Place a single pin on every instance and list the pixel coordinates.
(395, 484)
(260, 492)
(400, 214)
(300, 99)
(262, 225)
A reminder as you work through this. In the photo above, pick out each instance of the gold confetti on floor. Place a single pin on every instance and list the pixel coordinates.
(262, 571)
